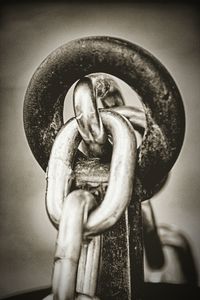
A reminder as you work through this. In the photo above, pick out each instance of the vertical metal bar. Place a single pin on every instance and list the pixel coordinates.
(121, 262)
(136, 248)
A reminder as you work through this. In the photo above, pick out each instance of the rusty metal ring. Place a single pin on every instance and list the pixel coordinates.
(44, 100)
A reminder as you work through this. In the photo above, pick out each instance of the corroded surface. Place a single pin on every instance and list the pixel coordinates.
(121, 265)
(43, 106)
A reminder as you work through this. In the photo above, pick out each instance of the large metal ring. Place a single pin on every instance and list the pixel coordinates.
(44, 100)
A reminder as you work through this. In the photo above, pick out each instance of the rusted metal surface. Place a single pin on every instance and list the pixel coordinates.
(163, 137)
(121, 264)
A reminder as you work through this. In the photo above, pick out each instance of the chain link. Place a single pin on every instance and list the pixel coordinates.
(66, 281)
(88, 92)
(60, 172)
(162, 131)
(75, 263)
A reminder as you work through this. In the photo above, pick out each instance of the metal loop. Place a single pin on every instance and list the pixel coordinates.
(60, 172)
(71, 255)
(163, 138)
(89, 122)
(106, 90)
(87, 93)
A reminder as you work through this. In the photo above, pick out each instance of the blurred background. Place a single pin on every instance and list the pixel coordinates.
(28, 34)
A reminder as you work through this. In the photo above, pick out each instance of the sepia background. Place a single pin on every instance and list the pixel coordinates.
(28, 34)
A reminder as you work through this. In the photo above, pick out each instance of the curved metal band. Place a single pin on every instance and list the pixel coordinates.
(76, 208)
(87, 93)
(43, 106)
(60, 172)
(86, 112)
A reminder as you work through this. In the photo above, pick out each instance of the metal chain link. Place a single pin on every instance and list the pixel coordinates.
(90, 127)
(76, 261)
(60, 172)
(59, 179)
(162, 131)
(95, 128)
(88, 92)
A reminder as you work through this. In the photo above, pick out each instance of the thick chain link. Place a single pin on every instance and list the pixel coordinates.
(76, 261)
(82, 265)
(88, 92)
(90, 127)
(60, 172)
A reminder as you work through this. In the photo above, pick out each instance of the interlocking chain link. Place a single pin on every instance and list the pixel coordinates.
(87, 93)
(163, 129)
(71, 252)
(60, 172)
(78, 244)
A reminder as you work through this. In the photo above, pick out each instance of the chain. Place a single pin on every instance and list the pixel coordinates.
(72, 254)
(60, 172)
(78, 242)
(87, 93)
(88, 119)
(101, 133)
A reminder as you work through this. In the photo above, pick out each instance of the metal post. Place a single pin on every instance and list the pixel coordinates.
(121, 263)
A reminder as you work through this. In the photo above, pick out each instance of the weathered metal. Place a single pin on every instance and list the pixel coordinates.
(61, 178)
(121, 262)
(88, 92)
(72, 255)
(89, 122)
(60, 172)
(164, 133)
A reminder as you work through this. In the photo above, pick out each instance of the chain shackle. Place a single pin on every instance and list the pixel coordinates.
(75, 263)
(165, 118)
(60, 172)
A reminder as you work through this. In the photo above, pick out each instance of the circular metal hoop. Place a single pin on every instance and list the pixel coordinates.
(44, 100)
